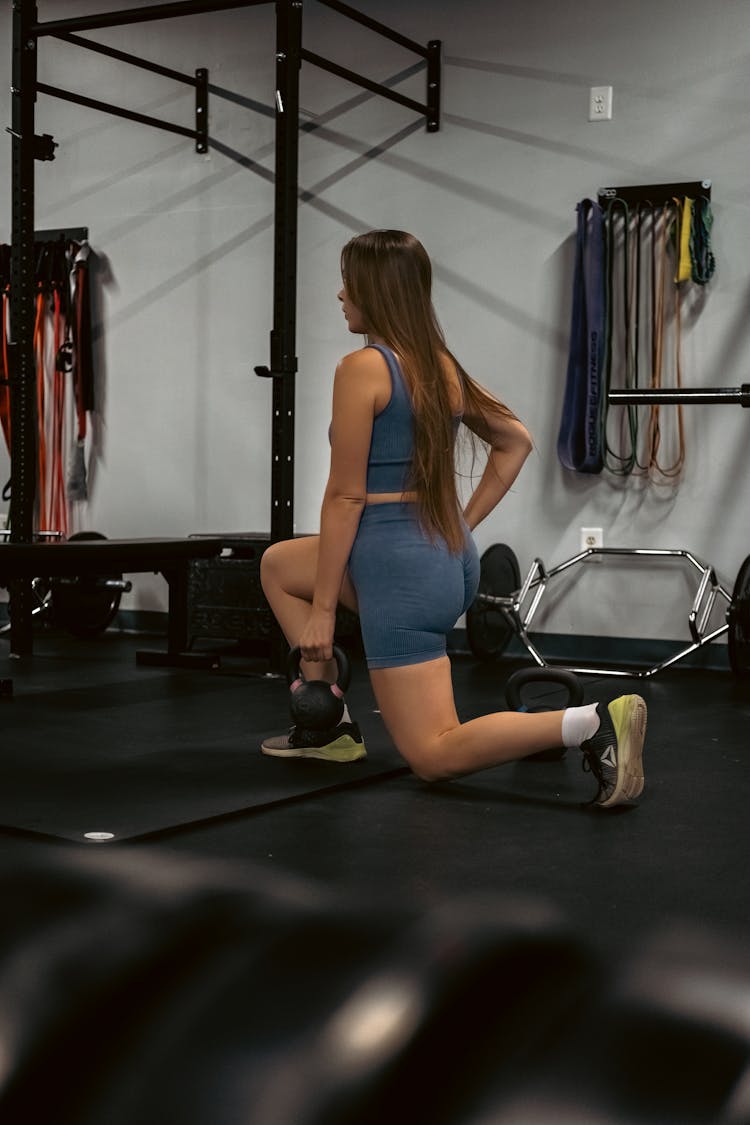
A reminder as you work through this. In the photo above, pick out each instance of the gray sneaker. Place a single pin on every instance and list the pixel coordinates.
(343, 743)
(615, 754)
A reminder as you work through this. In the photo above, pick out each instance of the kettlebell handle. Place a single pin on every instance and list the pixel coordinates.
(525, 676)
(293, 673)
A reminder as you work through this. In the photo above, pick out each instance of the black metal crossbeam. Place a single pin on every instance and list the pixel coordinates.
(116, 110)
(375, 25)
(365, 83)
(198, 81)
(132, 60)
(138, 15)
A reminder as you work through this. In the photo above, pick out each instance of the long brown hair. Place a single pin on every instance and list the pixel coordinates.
(388, 276)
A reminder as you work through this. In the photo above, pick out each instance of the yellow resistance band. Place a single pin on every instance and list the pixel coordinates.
(685, 225)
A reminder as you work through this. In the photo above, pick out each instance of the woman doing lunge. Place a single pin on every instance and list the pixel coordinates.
(396, 548)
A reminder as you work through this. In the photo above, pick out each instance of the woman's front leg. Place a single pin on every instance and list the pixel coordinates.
(287, 573)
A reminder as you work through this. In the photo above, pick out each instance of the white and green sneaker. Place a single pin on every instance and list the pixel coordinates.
(343, 743)
(615, 753)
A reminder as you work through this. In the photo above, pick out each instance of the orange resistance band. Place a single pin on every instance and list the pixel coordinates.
(40, 404)
(58, 505)
(659, 275)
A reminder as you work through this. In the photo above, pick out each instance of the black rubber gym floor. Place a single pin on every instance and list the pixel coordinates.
(298, 943)
(169, 759)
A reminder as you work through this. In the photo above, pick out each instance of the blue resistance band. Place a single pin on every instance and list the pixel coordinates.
(579, 440)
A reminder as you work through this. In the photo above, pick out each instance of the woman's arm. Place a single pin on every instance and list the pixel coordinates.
(345, 494)
(510, 444)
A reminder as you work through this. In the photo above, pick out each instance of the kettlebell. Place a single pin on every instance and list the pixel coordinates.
(316, 704)
(513, 696)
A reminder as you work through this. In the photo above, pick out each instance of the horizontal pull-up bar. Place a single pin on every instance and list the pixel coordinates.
(139, 15)
(649, 396)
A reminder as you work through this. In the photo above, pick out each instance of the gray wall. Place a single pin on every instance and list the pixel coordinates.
(185, 244)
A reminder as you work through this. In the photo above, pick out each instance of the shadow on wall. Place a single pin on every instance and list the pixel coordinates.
(547, 144)
(239, 162)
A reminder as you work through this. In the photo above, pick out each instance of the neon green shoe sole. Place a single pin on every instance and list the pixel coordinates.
(615, 753)
(348, 746)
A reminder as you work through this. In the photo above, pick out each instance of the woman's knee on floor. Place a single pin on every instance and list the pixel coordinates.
(417, 706)
(426, 761)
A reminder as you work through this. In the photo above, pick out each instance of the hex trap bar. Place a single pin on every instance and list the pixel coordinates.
(520, 607)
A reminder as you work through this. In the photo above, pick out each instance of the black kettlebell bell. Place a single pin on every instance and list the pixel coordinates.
(513, 696)
(316, 704)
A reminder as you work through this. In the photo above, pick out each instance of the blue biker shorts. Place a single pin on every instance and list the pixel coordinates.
(411, 590)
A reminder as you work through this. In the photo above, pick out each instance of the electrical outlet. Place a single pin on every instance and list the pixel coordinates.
(3, 521)
(592, 537)
(600, 103)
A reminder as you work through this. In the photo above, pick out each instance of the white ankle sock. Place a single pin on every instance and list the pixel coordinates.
(346, 717)
(578, 724)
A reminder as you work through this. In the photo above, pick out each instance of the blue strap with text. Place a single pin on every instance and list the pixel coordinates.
(578, 442)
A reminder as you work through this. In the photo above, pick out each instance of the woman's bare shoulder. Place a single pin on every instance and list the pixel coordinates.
(367, 368)
(363, 359)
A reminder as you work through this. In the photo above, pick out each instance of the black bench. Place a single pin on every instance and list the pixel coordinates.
(168, 557)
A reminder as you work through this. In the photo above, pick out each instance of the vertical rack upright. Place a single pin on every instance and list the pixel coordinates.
(27, 30)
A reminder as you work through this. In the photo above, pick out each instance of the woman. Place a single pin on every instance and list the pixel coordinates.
(395, 547)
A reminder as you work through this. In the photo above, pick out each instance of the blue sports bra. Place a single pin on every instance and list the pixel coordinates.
(392, 444)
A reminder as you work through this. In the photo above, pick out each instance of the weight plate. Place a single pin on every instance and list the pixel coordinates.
(738, 619)
(488, 630)
(84, 606)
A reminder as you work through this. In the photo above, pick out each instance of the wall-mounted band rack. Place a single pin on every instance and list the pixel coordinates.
(67, 234)
(657, 195)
